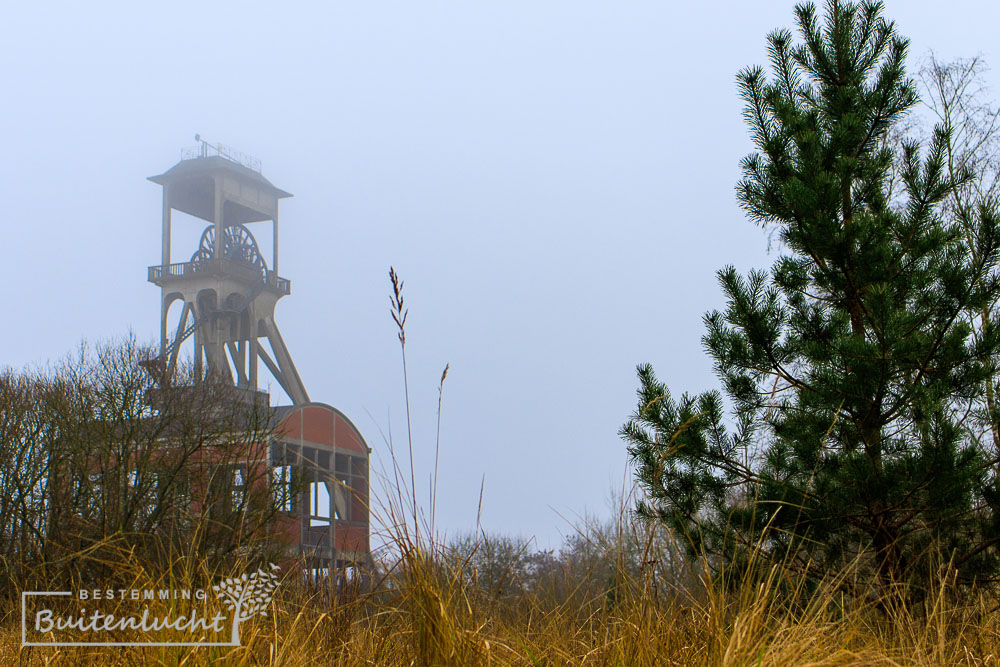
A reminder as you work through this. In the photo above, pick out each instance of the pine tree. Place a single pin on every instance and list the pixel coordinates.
(849, 367)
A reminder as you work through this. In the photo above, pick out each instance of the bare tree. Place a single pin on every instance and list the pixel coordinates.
(100, 465)
(958, 97)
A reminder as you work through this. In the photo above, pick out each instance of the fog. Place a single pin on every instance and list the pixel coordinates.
(554, 181)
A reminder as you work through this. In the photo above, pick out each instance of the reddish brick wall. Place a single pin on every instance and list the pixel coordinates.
(351, 538)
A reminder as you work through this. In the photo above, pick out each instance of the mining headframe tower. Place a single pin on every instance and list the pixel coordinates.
(223, 297)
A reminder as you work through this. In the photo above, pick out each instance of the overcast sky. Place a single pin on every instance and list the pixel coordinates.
(554, 181)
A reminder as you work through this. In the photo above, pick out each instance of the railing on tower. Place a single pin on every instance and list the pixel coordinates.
(205, 149)
(190, 269)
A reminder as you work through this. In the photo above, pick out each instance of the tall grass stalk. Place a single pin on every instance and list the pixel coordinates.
(399, 313)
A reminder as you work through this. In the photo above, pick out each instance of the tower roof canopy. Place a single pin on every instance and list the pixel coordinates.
(192, 189)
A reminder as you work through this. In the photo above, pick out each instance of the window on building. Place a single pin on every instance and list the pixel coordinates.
(142, 490)
(239, 487)
(281, 482)
(319, 504)
(226, 491)
(342, 499)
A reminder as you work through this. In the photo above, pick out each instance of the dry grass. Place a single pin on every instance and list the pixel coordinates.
(423, 614)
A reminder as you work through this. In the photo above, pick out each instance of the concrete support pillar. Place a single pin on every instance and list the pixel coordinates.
(164, 307)
(217, 218)
(165, 258)
(241, 355)
(252, 352)
(199, 342)
(198, 354)
(274, 261)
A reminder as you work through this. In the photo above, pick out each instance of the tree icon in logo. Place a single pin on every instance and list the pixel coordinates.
(247, 596)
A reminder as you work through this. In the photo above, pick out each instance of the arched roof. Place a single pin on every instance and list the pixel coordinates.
(321, 424)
